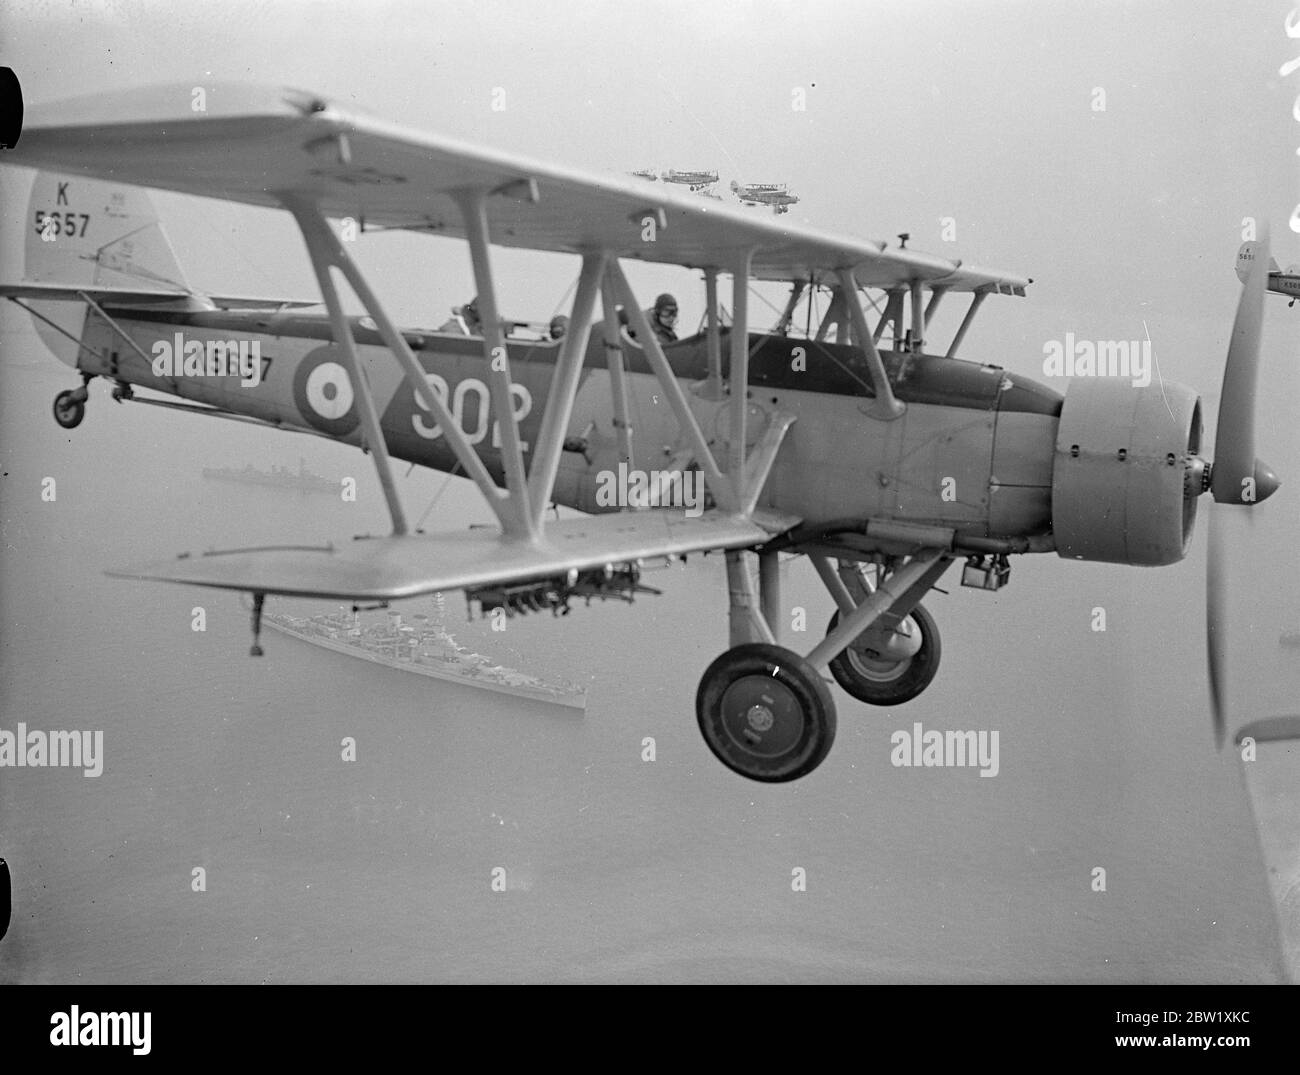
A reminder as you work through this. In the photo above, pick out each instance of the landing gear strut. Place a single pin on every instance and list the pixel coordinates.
(256, 649)
(70, 405)
(766, 712)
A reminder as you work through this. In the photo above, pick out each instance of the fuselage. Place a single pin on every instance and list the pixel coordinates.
(1285, 283)
(972, 452)
(690, 178)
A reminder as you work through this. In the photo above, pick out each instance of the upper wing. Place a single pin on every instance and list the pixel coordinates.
(255, 144)
(389, 568)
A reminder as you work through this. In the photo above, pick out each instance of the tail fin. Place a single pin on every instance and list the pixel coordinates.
(1246, 256)
(86, 232)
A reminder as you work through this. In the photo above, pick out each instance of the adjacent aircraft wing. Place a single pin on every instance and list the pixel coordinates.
(1269, 751)
(257, 144)
(142, 296)
(390, 568)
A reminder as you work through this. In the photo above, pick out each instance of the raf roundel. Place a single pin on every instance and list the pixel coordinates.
(329, 392)
(324, 395)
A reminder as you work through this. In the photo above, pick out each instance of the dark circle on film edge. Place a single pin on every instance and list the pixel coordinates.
(11, 108)
(6, 900)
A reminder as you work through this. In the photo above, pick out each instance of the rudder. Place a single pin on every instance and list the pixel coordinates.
(86, 232)
(1246, 257)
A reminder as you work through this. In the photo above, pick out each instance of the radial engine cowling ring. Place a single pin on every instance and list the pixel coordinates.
(1126, 472)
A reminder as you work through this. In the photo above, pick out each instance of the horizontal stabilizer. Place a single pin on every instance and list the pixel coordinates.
(247, 302)
(143, 296)
(390, 568)
(1271, 730)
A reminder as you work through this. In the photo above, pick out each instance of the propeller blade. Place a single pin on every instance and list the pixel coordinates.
(1215, 638)
(1234, 437)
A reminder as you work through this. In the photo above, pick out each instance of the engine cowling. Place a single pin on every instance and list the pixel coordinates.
(1126, 473)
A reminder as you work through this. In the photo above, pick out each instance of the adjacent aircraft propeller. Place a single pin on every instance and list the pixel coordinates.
(1236, 476)
(1215, 607)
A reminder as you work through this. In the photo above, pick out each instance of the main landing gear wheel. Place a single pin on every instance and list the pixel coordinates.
(872, 677)
(765, 712)
(70, 407)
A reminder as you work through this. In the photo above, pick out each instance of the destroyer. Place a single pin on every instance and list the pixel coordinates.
(280, 477)
(423, 646)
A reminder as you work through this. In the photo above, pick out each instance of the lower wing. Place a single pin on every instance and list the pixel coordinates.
(391, 568)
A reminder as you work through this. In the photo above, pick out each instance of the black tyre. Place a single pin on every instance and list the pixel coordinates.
(877, 681)
(765, 713)
(68, 412)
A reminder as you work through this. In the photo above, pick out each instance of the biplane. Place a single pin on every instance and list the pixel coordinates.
(696, 180)
(776, 195)
(1279, 281)
(883, 460)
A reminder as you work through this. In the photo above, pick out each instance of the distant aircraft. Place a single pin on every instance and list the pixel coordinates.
(884, 466)
(646, 173)
(777, 195)
(1279, 282)
(697, 181)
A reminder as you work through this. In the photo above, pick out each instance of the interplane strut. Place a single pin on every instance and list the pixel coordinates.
(564, 388)
(901, 590)
(326, 254)
(612, 340)
(520, 507)
(885, 405)
(724, 490)
(739, 375)
(519, 519)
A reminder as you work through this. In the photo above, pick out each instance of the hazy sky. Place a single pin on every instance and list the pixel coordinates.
(979, 111)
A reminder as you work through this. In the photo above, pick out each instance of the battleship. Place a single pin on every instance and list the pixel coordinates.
(280, 477)
(423, 646)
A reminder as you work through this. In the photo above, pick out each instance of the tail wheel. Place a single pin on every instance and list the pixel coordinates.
(68, 410)
(765, 713)
(871, 677)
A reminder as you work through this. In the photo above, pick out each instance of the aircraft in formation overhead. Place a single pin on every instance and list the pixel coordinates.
(694, 180)
(777, 195)
(1278, 281)
(884, 464)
